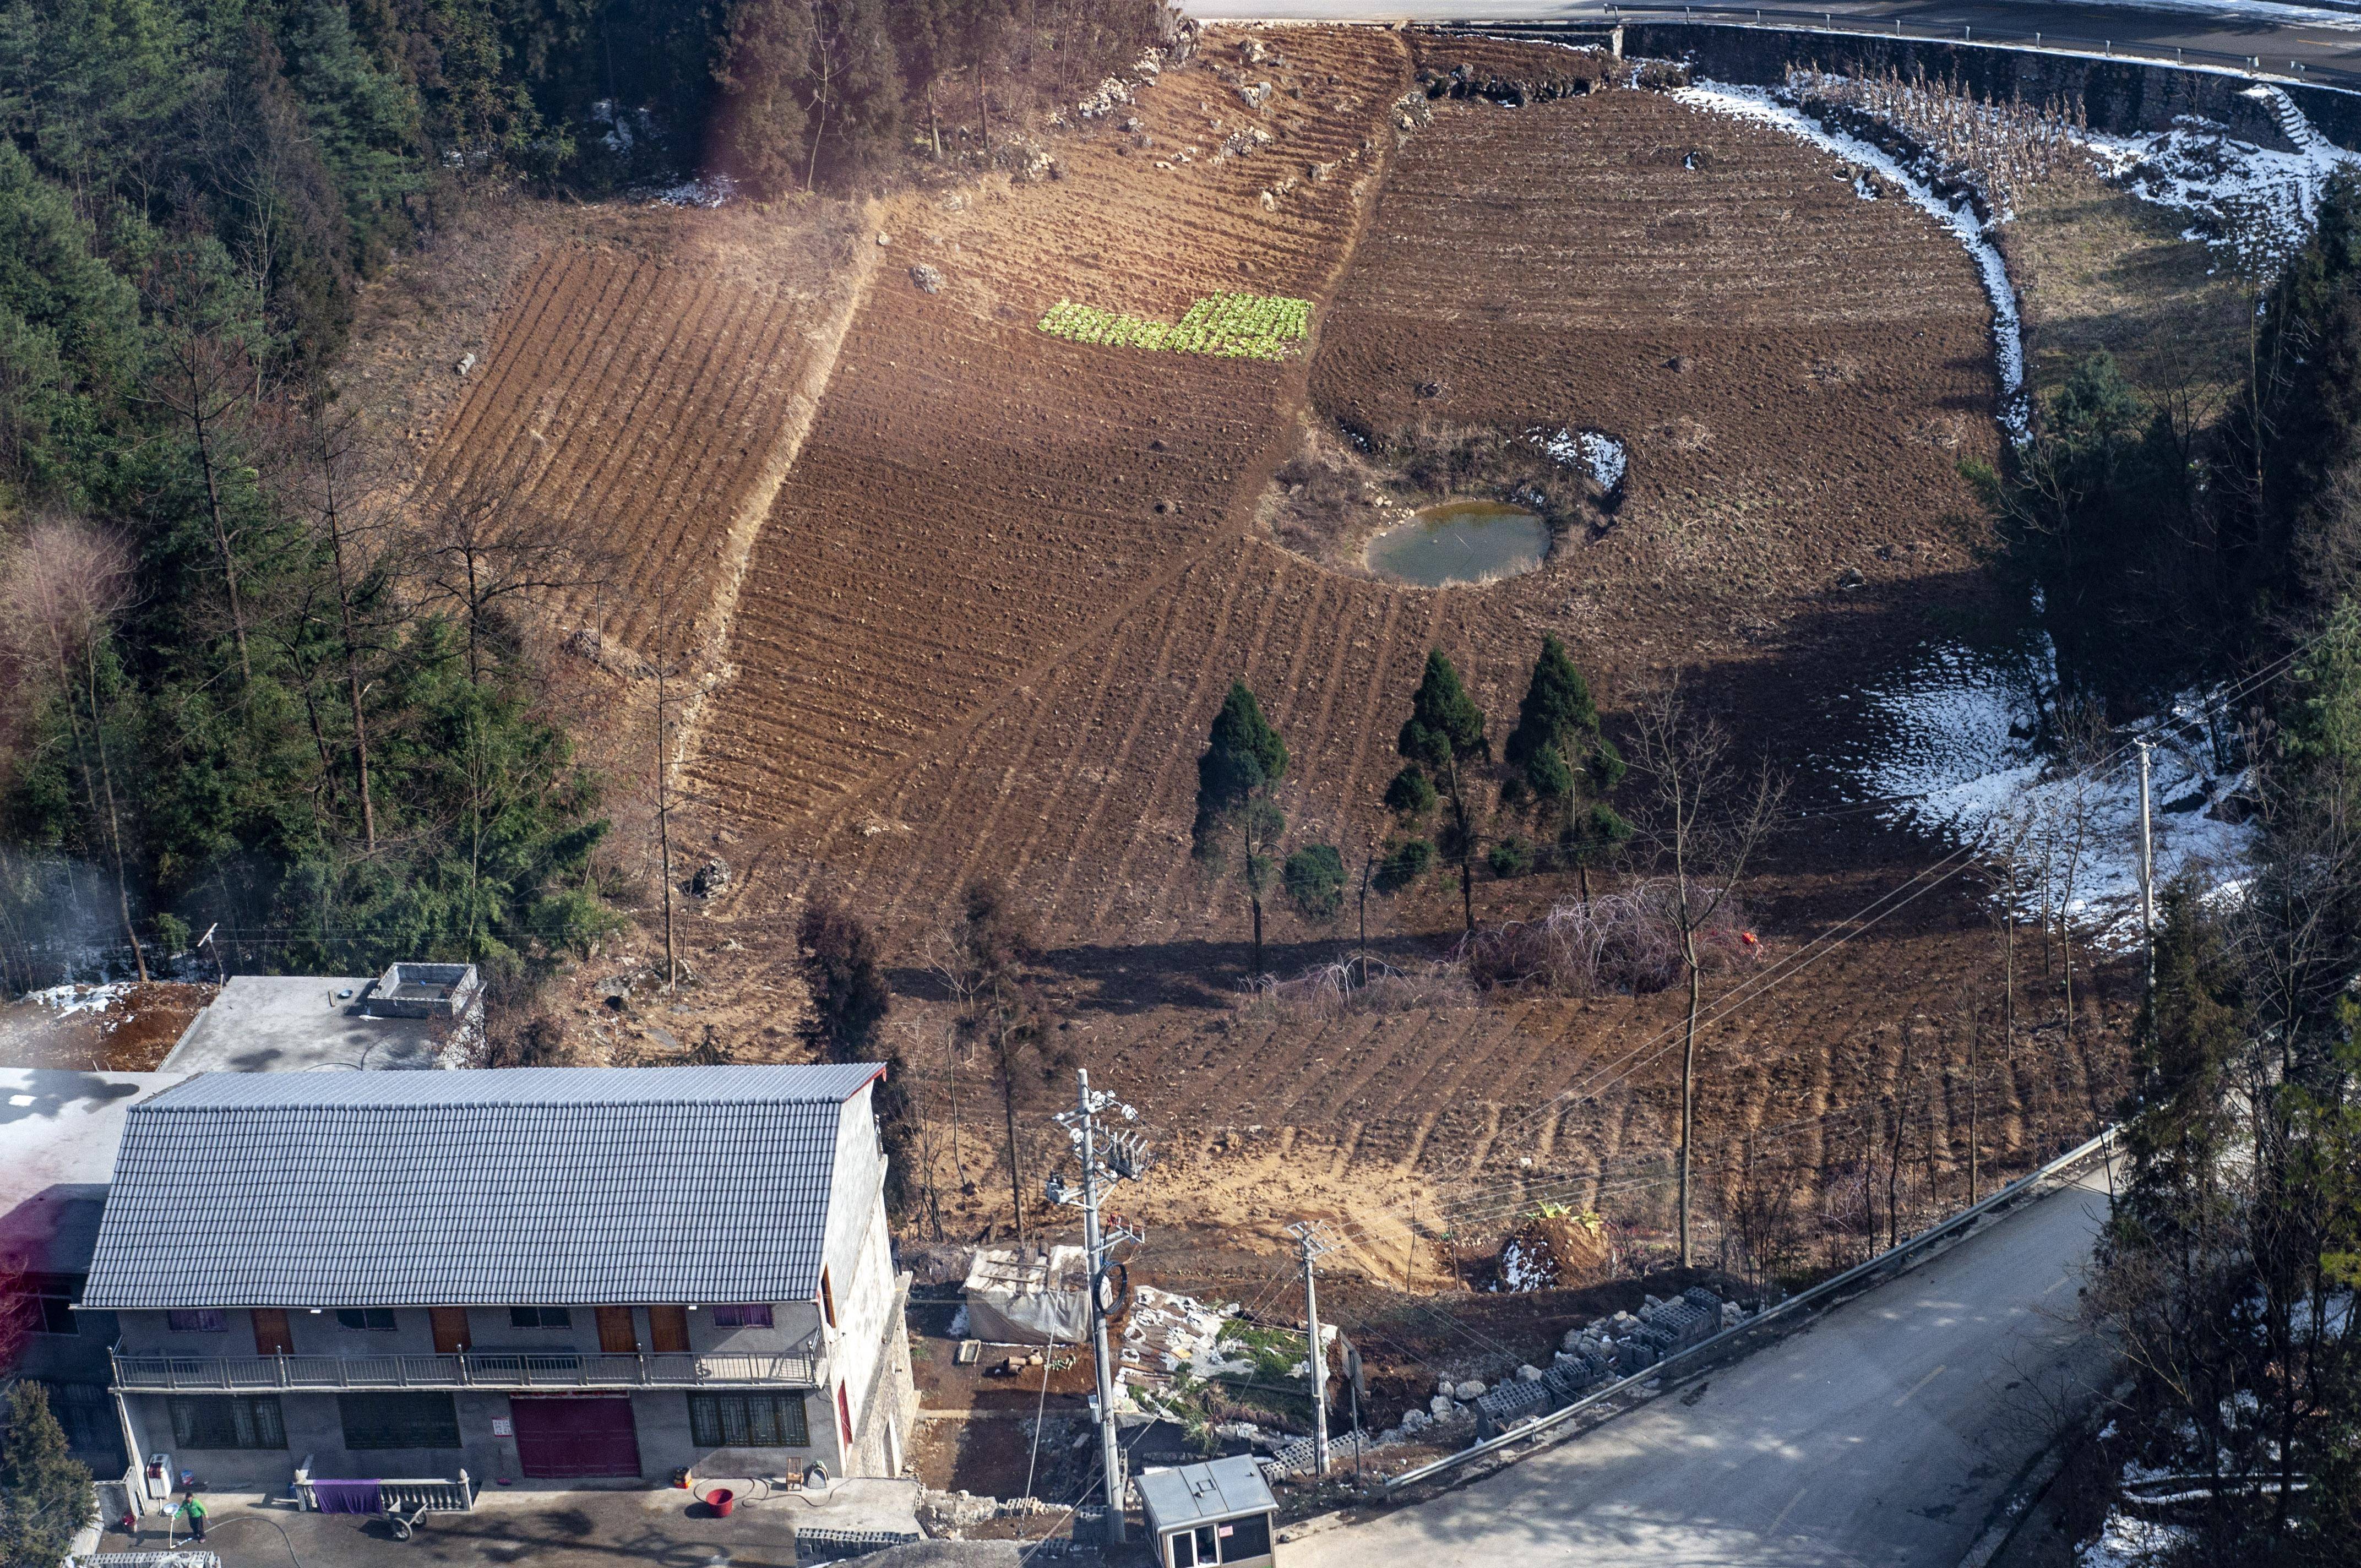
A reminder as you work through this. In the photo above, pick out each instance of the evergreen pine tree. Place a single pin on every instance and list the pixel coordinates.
(1555, 708)
(1443, 735)
(1568, 764)
(1243, 760)
(45, 1493)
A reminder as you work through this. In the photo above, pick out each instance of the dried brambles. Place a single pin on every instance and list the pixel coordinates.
(1233, 326)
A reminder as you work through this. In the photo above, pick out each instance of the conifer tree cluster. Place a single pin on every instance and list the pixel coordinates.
(1556, 775)
(45, 1493)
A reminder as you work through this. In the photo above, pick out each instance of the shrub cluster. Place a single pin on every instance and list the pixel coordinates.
(1617, 942)
(1340, 990)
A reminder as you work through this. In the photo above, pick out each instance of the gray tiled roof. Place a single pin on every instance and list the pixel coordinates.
(556, 1185)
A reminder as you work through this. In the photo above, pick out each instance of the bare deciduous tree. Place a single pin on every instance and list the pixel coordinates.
(61, 587)
(1004, 1008)
(205, 382)
(337, 494)
(482, 546)
(1707, 818)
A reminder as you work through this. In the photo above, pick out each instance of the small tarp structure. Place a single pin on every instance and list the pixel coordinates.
(1216, 1513)
(1028, 1297)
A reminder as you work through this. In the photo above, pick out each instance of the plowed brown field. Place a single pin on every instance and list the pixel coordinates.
(969, 643)
(649, 398)
(997, 600)
(978, 501)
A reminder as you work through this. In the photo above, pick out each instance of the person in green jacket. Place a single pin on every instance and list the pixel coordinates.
(194, 1511)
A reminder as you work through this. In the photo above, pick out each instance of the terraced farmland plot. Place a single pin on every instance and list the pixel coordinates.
(977, 500)
(1540, 266)
(643, 399)
(1794, 370)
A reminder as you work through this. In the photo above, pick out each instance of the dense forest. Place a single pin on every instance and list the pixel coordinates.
(244, 688)
(2168, 551)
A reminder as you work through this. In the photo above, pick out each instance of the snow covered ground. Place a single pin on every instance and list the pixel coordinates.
(1762, 106)
(1946, 746)
(2250, 12)
(1596, 453)
(2252, 203)
(70, 999)
(2128, 1542)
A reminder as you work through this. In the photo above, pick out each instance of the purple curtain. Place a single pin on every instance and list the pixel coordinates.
(347, 1496)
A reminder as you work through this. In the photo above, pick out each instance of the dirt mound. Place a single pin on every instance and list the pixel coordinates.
(1556, 1248)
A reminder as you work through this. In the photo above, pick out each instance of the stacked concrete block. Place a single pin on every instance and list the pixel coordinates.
(1572, 1376)
(1682, 1325)
(1510, 1404)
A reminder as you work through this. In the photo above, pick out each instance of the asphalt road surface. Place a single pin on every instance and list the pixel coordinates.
(1885, 1433)
(2319, 43)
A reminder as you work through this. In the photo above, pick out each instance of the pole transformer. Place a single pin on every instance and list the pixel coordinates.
(1108, 1156)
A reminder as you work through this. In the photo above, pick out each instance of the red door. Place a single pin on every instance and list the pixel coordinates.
(564, 1439)
(271, 1333)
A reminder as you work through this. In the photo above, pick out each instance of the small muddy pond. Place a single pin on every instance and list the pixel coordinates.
(1460, 542)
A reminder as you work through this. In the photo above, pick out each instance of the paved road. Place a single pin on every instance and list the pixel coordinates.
(2324, 41)
(1883, 1434)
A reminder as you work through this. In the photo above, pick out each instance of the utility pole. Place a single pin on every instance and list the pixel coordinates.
(1112, 1154)
(1310, 1247)
(664, 809)
(2148, 873)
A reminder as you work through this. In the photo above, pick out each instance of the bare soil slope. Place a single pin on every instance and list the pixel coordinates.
(970, 643)
(997, 599)
(977, 499)
(640, 392)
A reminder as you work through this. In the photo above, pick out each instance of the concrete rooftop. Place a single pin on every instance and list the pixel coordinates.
(299, 1023)
(57, 1135)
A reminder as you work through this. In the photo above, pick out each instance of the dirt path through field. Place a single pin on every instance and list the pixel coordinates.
(824, 343)
(997, 590)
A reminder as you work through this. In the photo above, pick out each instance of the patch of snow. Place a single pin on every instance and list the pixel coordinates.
(1951, 752)
(2255, 203)
(2267, 13)
(1597, 453)
(1761, 105)
(1523, 1268)
(2128, 1542)
(623, 127)
(705, 191)
(1605, 457)
(959, 1322)
(69, 1000)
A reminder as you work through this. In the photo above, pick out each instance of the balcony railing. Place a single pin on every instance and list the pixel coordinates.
(465, 1369)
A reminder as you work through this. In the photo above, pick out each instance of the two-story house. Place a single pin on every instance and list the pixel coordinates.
(541, 1274)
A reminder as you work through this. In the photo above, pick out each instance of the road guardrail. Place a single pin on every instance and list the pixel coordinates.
(1702, 1354)
(1778, 18)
